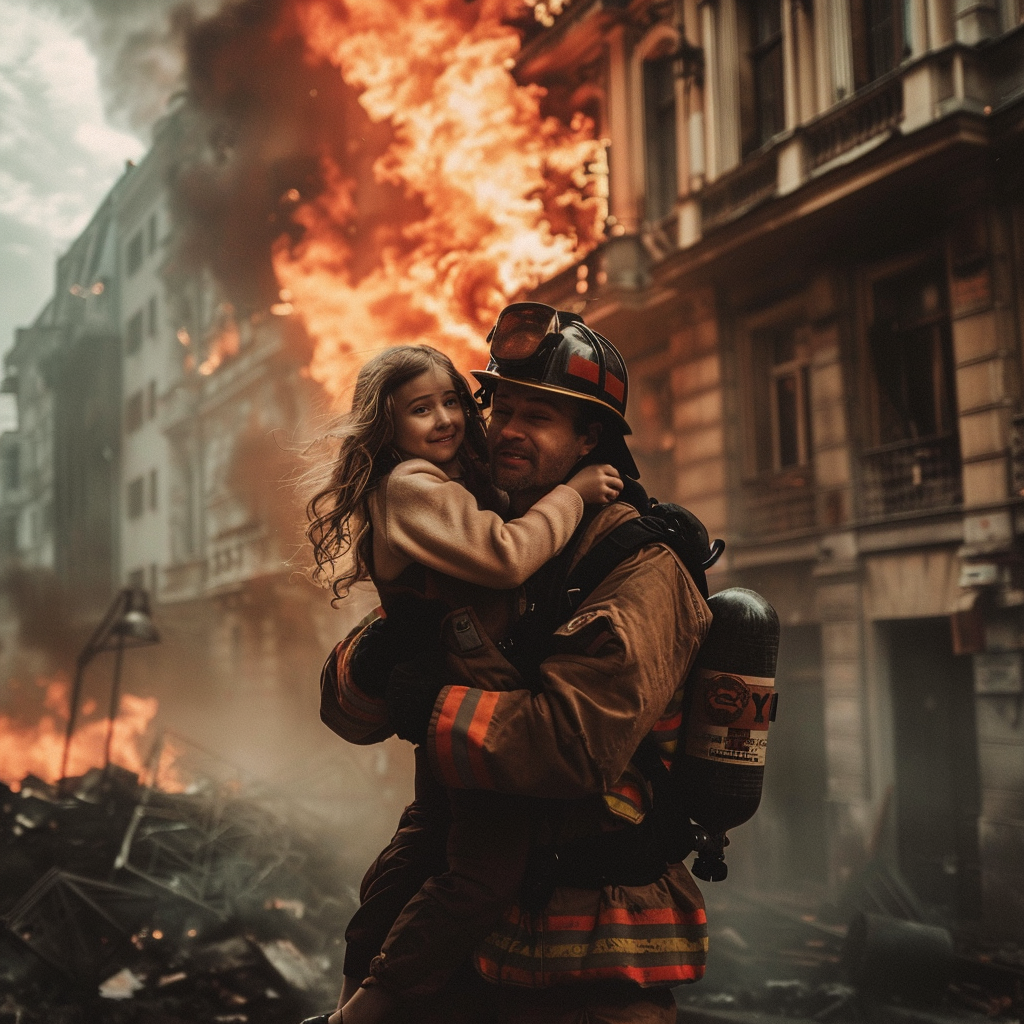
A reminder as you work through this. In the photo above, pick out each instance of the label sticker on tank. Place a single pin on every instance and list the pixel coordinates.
(729, 717)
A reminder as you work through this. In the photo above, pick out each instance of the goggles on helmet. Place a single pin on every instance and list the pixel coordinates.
(524, 328)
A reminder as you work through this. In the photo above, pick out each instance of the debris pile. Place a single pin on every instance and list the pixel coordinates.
(123, 903)
(776, 958)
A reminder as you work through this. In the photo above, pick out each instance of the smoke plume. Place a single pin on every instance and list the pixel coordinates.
(140, 51)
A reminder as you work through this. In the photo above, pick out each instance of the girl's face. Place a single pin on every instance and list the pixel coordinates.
(429, 421)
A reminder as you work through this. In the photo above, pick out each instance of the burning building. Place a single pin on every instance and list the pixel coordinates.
(291, 217)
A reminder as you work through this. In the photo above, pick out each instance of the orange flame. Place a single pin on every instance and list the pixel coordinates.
(507, 196)
(37, 749)
(224, 344)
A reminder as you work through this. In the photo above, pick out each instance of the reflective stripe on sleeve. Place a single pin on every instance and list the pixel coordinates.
(459, 733)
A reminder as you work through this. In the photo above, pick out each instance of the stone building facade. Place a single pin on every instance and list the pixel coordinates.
(814, 265)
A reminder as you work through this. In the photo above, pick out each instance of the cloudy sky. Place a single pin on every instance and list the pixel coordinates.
(65, 129)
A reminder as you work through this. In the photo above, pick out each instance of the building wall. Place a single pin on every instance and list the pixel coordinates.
(835, 304)
(147, 341)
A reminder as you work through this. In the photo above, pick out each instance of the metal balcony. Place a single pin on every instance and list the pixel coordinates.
(911, 476)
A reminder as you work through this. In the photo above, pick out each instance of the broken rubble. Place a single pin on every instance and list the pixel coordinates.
(204, 905)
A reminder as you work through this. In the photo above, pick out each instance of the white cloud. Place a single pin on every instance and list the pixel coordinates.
(60, 215)
(104, 142)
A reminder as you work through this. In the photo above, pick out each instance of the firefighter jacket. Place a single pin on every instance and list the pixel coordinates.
(611, 678)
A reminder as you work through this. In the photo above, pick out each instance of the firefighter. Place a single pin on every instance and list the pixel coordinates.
(604, 925)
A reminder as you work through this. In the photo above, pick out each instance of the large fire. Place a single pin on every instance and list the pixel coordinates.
(502, 197)
(37, 749)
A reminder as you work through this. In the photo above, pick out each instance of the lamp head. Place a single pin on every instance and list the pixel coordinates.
(136, 624)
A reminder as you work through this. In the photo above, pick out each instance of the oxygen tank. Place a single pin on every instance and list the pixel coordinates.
(729, 700)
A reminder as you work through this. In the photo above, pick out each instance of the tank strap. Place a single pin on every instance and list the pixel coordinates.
(626, 539)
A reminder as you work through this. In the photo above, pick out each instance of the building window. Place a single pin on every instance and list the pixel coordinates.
(151, 400)
(660, 136)
(766, 66)
(133, 254)
(782, 399)
(912, 356)
(880, 40)
(790, 400)
(885, 36)
(133, 413)
(152, 489)
(151, 234)
(134, 498)
(133, 333)
(11, 468)
(151, 317)
(9, 534)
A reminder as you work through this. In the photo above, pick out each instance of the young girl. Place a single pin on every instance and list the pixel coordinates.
(409, 506)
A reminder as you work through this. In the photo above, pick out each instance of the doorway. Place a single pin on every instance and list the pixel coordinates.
(935, 752)
(795, 771)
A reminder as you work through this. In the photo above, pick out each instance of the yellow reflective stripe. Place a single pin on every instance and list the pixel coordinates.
(579, 950)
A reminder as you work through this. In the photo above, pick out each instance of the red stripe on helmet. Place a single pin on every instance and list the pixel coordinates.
(584, 368)
(613, 386)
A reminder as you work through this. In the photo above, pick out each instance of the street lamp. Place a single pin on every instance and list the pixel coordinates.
(126, 624)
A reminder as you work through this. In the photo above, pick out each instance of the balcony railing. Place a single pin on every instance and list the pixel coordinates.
(911, 476)
(871, 113)
(782, 505)
(739, 190)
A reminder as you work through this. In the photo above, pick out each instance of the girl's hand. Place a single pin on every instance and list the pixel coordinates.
(597, 485)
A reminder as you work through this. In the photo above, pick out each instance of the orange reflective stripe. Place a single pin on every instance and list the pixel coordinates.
(442, 744)
(459, 734)
(645, 976)
(665, 724)
(653, 946)
(475, 736)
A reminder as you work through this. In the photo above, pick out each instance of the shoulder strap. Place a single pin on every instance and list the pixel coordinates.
(604, 556)
(629, 537)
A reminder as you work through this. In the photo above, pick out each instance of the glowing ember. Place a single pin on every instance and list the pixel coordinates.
(503, 197)
(37, 749)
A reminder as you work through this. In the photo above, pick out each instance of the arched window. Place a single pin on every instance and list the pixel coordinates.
(660, 136)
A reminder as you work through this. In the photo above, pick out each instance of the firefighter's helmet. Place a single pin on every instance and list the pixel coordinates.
(553, 350)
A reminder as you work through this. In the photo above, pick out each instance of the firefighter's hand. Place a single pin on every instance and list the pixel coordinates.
(597, 485)
(411, 693)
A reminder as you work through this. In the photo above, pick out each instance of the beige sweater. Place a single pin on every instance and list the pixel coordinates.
(421, 515)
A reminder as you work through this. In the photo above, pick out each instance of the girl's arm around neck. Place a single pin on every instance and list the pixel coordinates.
(435, 521)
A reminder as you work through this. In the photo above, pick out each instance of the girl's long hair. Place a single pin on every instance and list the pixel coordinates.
(338, 526)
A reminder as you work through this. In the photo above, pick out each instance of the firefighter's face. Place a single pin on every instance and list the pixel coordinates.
(429, 421)
(533, 441)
